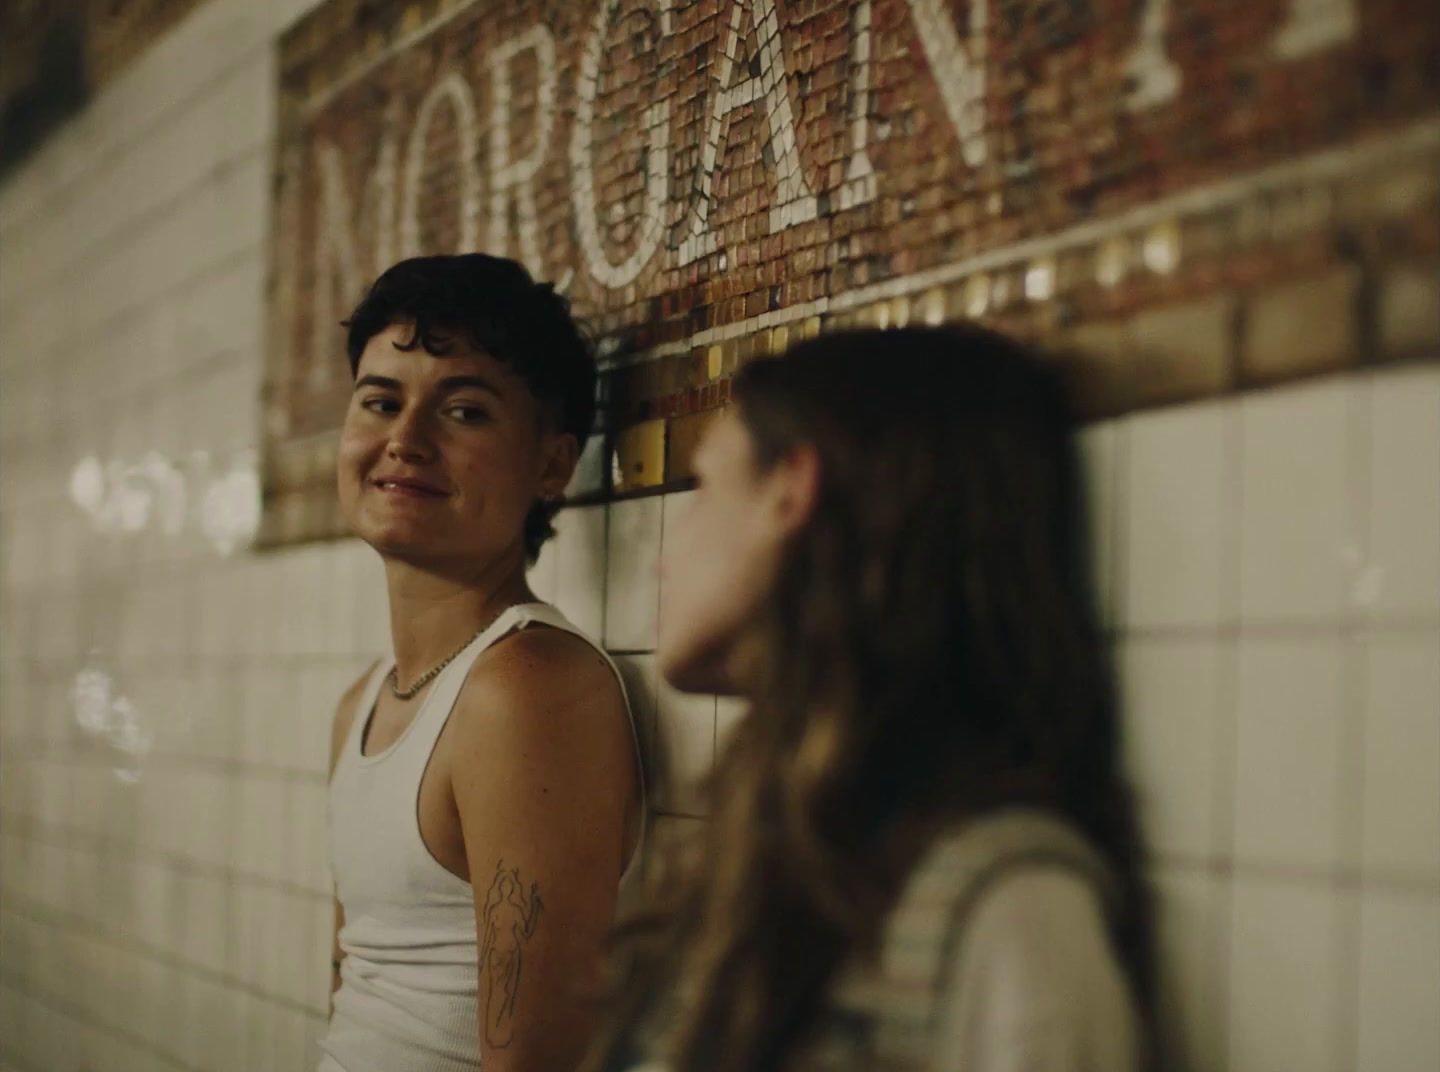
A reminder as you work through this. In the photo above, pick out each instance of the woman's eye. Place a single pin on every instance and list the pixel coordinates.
(380, 404)
(468, 414)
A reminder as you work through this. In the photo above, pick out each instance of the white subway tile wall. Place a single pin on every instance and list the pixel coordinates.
(579, 582)
(1287, 975)
(1400, 802)
(1268, 568)
(1402, 569)
(1299, 496)
(1189, 902)
(1399, 981)
(1177, 536)
(632, 581)
(1290, 748)
(1179, 729)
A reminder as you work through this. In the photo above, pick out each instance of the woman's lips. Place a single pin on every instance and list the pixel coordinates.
(407, 489)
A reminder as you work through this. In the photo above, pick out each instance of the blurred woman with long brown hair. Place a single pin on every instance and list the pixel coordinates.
(922, 852)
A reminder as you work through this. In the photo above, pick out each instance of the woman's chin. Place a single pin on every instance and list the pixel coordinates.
(693, 671)
(398, 541)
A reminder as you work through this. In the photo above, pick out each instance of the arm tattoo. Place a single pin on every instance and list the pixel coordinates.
(508, 919)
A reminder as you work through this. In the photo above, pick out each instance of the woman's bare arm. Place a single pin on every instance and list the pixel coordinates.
(545, 784)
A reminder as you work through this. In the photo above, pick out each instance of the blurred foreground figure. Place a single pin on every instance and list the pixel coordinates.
(485, 794)
(922, 853)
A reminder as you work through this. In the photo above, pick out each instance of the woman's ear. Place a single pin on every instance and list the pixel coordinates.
(795, 487)
(560, 454)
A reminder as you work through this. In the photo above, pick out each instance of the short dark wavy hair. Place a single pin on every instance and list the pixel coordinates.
(495, 305)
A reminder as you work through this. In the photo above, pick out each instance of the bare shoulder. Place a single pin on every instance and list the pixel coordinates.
(545, 696)
(543, 671)
(345, 713)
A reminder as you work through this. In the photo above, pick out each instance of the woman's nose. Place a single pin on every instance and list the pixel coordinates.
(409, 439)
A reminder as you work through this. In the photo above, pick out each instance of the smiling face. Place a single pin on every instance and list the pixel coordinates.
(441, 458)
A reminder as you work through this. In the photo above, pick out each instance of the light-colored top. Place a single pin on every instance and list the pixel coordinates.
(1037, 987)
(995, 958)
(408, 999)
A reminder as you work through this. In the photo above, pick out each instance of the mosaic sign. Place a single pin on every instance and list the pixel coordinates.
(710, 179)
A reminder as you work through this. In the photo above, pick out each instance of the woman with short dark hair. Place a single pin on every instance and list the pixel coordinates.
(485, 794)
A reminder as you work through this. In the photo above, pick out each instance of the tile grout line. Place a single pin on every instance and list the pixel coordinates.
(1225, 814)
(70, 923)
(106, 847)
(1351, 776)
(74, 1012)
(116, 239)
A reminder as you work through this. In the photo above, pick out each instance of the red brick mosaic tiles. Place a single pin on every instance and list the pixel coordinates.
(1182, 199)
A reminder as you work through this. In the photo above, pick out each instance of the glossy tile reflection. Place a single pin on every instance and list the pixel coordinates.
(112, 719)
(217, 498)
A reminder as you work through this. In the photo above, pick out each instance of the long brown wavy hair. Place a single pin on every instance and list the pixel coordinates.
(932, 653)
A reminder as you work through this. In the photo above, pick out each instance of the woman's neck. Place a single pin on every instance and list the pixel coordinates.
(435, 611)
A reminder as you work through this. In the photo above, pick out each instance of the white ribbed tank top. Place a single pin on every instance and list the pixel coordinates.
(408, 998)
